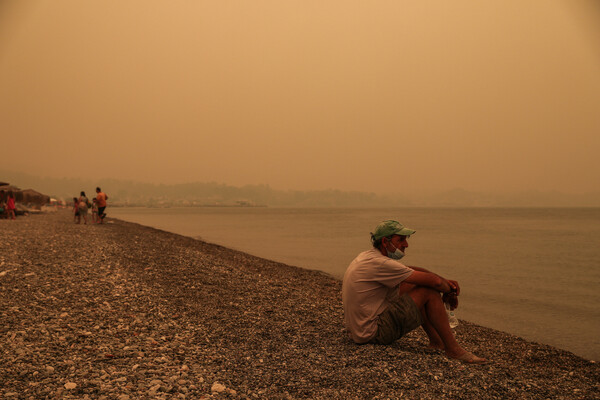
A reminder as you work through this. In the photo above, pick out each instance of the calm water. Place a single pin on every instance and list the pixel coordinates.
(530, 272)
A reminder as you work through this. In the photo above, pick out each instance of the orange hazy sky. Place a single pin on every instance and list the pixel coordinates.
(381, 96)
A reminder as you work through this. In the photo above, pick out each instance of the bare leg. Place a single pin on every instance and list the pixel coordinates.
(435, 341)
(431, 306)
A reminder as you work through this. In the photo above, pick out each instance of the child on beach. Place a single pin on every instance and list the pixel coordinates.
(75, 210)
(10, 206)
(94, 210)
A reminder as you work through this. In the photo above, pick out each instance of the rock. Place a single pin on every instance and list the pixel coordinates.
(217, 387)
(70, 385)
(153, 390)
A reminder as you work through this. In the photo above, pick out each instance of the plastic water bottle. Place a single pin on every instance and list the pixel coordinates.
(452, 320)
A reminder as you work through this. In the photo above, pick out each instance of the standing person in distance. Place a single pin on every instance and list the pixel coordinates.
(101, 200)
(2, 205)
(10, 205)
(385, 299)
(83, 203)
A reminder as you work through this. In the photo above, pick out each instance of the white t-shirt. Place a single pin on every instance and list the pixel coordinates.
(370, 283)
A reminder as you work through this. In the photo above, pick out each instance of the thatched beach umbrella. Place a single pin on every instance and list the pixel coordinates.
(7, 188)
(4, 189)
(33, 197)
(24, 196)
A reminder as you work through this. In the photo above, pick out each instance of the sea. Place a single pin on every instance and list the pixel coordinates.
(531, 272)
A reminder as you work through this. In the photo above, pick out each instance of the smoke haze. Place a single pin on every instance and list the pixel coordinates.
(382, 97)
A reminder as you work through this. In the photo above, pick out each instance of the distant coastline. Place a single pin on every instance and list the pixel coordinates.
(130, 193)
(195, 205)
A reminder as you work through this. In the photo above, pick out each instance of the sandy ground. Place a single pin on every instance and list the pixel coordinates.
(123, 311)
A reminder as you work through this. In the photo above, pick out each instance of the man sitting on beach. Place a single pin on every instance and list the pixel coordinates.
(385, 299)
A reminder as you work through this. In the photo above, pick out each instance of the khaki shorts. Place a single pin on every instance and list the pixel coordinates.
(401, 317)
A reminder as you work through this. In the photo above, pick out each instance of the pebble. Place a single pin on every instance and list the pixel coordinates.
(217, 387)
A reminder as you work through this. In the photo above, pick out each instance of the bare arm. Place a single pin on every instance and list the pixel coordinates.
(453, 284)
(418, 268)
(429, 279)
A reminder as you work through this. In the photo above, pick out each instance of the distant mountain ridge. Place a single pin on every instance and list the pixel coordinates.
(130, 193)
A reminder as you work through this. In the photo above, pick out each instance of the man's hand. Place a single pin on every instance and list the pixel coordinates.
(451, 299)
(454, 286)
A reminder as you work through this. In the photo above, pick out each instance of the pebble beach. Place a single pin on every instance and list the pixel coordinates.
(123, 311)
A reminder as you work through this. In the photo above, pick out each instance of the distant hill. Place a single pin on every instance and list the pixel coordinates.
(130, 193)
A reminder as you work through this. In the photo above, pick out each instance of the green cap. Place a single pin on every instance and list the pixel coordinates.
(389, 228)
